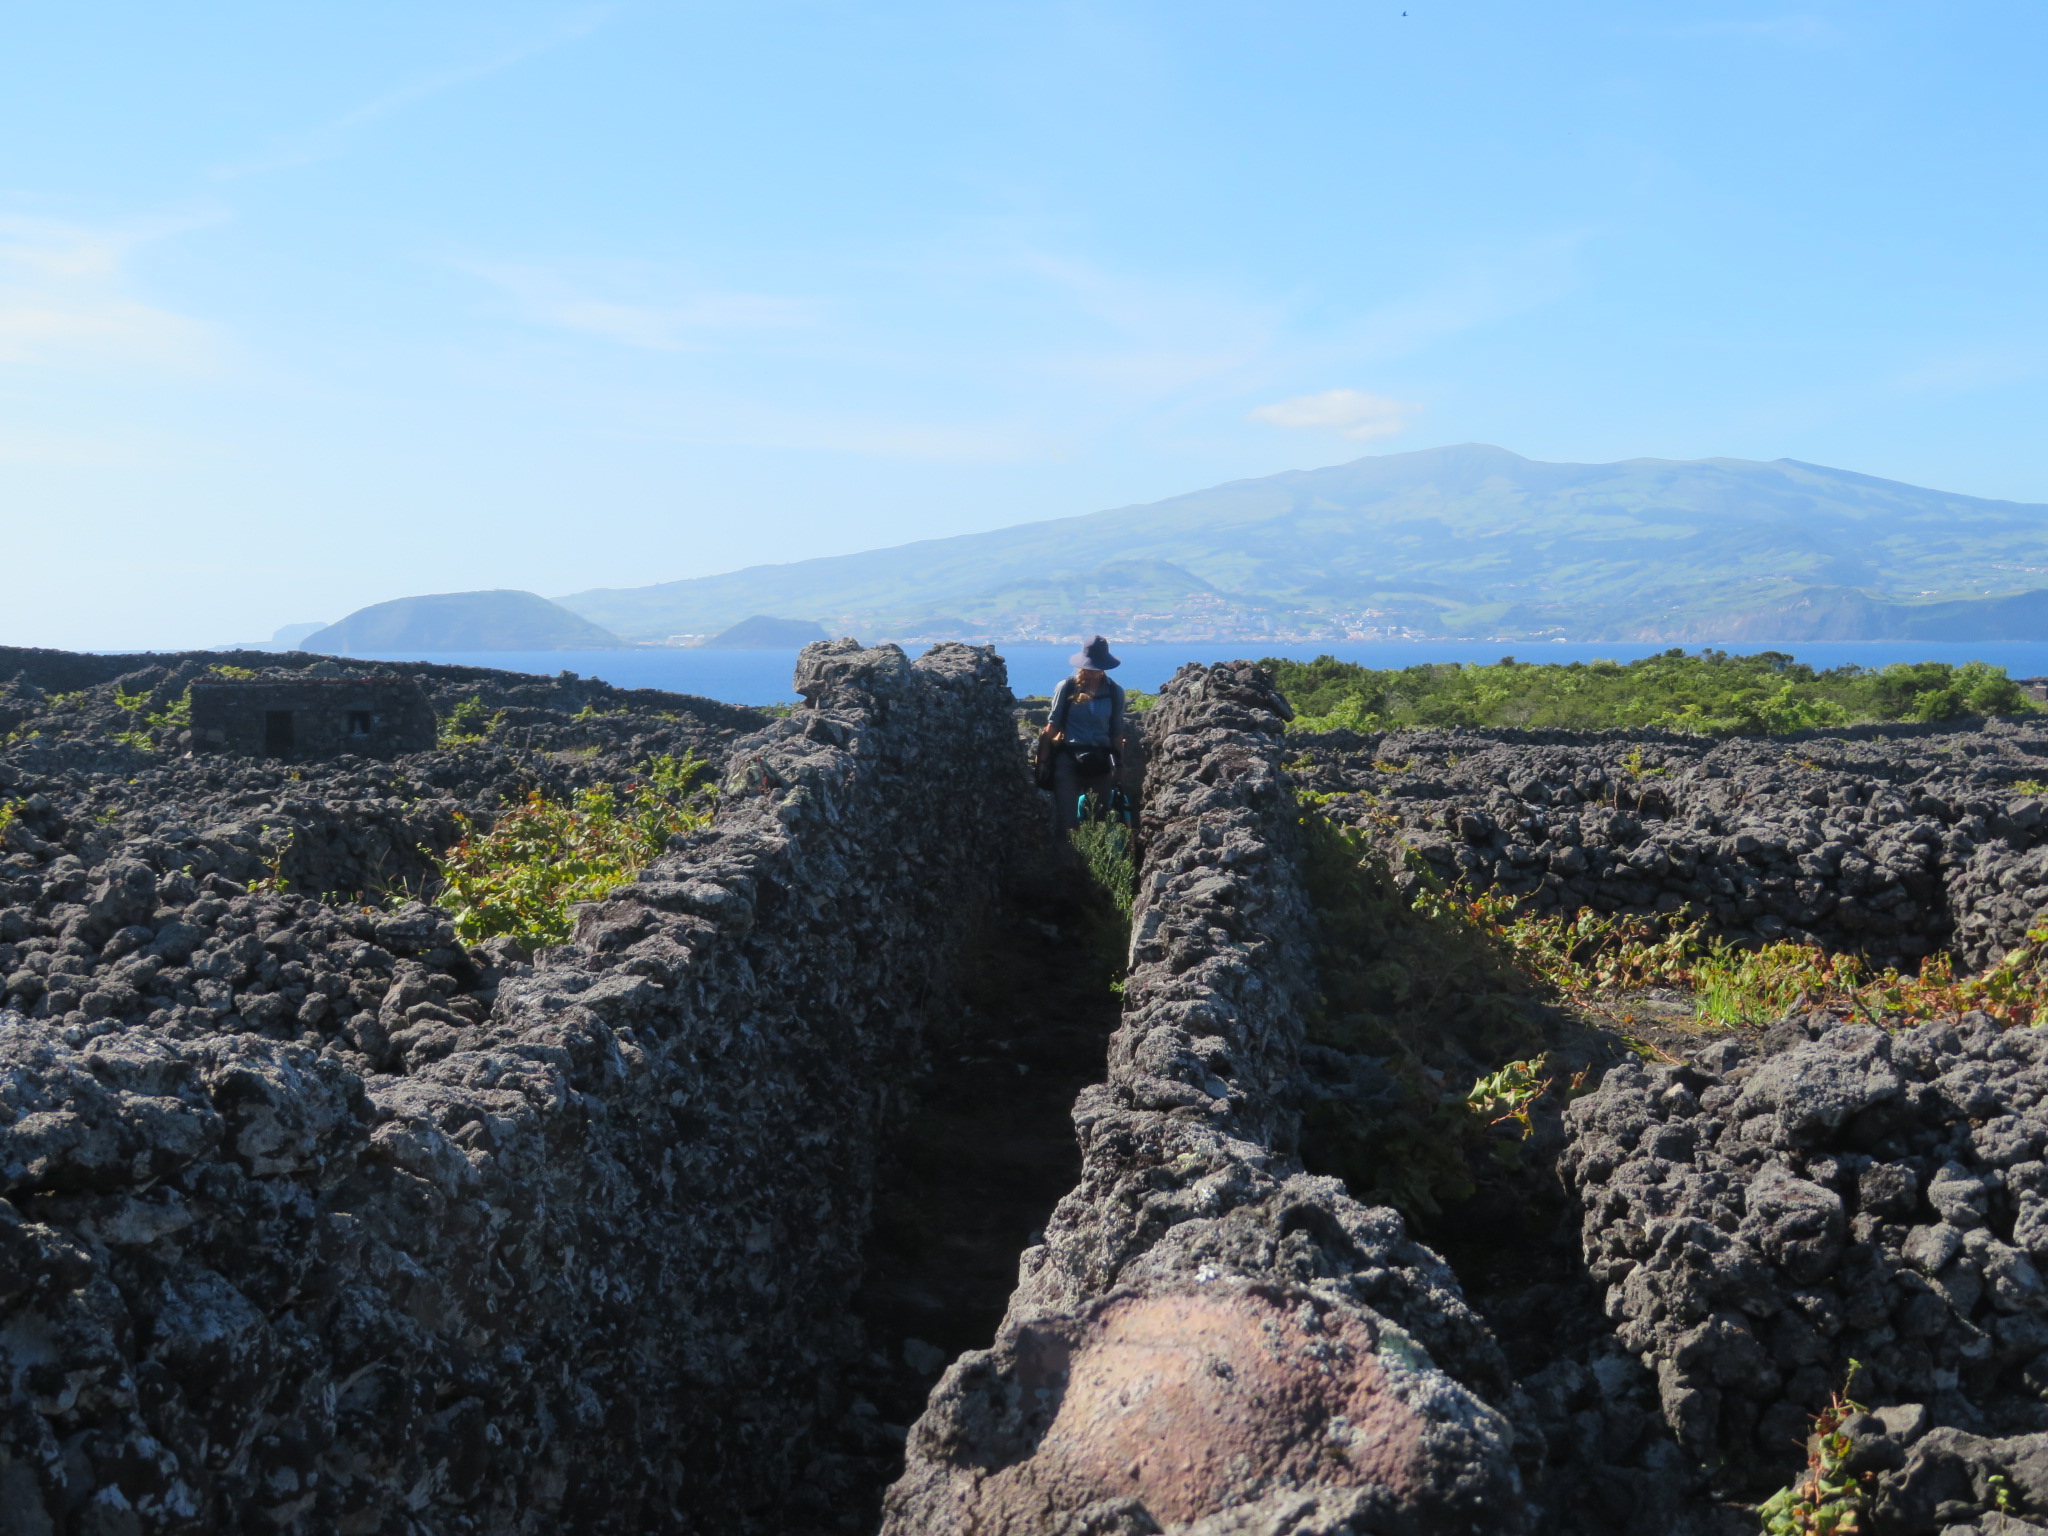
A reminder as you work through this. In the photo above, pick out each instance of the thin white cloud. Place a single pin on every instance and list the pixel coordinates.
(331, 138)
(686, 322)
(987, 322)
(1350, 412)
(65, 303)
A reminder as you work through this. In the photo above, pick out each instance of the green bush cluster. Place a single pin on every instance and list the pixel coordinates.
(174, 716)
(520, 878)
(1709, 691)
(470, 720)
(1105, 849)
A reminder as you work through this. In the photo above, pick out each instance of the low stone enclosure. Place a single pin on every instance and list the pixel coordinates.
(1893, 841)
(316, 1220)
(311, 717)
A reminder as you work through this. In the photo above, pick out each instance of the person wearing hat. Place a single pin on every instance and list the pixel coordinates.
(1086, 726)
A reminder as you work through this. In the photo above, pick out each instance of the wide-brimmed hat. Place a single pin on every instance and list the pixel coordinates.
(1094, 654)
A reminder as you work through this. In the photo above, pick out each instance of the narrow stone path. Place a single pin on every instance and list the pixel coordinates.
(977, 1170)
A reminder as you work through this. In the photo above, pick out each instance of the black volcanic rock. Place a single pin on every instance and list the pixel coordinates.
(1892, 841)
(313, 1220)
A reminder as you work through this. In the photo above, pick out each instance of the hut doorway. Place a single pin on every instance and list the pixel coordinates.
(277, 733)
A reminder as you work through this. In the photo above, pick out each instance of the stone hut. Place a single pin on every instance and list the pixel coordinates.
(312, 717)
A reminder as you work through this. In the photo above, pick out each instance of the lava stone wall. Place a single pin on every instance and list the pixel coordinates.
(1778, 1207)
(65, 672)
(1893, 841)
(370, 717)
(1208, 1339)
(575, 1260)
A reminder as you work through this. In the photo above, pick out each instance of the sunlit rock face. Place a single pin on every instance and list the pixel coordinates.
(317, 1221)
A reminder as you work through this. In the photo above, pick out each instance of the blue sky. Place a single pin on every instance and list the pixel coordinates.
(305, 306)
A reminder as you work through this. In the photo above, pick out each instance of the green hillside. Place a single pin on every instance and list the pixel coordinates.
(1468, 540)
(460, 621)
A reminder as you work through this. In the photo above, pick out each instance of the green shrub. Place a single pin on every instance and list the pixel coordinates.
(1829, 1500)
(471, 720)
(520, 878)
(1105, 849)
(174, 716)
(1710, 692)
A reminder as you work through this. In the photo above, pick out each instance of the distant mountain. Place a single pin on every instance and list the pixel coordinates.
(762, 633)
(1468, 540)
(460, 621)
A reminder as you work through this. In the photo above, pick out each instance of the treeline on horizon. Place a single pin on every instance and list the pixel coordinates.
(1709, 692)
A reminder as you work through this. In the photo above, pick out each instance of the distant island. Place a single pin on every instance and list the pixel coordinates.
(1460, 542)
(499, 620)
(762, 633)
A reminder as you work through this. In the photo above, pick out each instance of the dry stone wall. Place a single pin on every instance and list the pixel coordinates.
(553, 1247)
(55, 690)
(1770, 1211)
(1774, 1209)
(1894, 841)
(1208, 1339)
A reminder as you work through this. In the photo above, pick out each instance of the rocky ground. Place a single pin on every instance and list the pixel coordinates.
(985, 1155)
(1777, 1208)
(144, 887)
(1627, 1324)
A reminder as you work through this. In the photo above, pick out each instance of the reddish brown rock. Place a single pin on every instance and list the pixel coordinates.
(1175, 1406)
